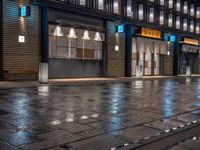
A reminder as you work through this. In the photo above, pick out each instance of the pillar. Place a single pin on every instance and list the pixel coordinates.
(1, 40)
(128, 50)
(43, 67)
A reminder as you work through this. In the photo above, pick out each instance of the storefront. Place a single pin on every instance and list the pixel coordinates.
(148, 51)
(76, 46)
(189, 56)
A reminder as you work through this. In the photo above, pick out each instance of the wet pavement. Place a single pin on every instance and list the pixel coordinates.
(128, 115)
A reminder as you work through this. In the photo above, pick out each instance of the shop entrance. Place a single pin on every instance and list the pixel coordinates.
(148, 53)
(189, 57)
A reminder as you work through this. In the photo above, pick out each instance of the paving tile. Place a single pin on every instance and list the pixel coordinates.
(6, 146)
(165, 124)
(191, 144)
(37, 146)
(74, 127)
(96, 143)
(178, 148)
(135, 133)
(20, 138)
(61, 137)
(187, 117)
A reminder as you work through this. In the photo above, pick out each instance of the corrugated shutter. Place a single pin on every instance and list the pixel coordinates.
(20, 55)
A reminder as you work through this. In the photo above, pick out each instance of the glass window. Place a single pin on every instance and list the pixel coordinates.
(151, 15)
(83, 2)
(75, 43)
(198, 28)
(129, 8)
(141, 13)
(178, 5)
(116, 6)
(162, 2)
(170, 20)
(101, 4)
(151, 1)
(192, 10)
(178, 22)
(191, 26)
(185, 7)
(161, 17)
(170, 4)
(198, 12)
(185, 24)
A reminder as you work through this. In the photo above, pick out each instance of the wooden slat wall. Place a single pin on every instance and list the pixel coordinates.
(168, 65)
(20, 55)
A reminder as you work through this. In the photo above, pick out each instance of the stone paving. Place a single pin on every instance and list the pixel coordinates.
(97, 116)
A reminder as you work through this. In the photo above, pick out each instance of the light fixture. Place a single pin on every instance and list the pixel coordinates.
(58, 31)
(116, 48)
(21, 39)
(86, 35)
(72, 33)
(97, 37)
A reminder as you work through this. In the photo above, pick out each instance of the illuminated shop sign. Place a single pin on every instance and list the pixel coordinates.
(25, 11)
(151, 33)
(120, 28)
(172, 38)
(191, 41)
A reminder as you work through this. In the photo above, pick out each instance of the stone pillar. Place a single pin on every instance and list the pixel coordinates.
(43, 67)
(128, 51)
(1, 40)
(115, 58)
(176, 55)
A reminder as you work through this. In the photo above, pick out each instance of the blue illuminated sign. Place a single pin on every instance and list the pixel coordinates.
(25, 11)
(120, 28)
(172, 38)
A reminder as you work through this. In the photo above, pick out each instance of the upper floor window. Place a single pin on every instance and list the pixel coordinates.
(170, 4)
(101, 4)
(178, 5)
(170, 20)
(178, 22)
(141, 13)
(116, 7)
(162, 2)
(185, 26)
(161, 18)
(197, 28)
(151, 1)
(191, 26)
(185, 7)
(129, 8)
(198, 12)
(192, 10)
(83, 2)
(151, 15)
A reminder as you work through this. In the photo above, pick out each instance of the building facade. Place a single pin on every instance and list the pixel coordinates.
(49, 39)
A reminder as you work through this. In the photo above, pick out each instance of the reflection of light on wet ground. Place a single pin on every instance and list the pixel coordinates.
(70, 117)
(95, 115)
(43, 90)
(56, 122)
(84, 117)
(117, 98)
(169, 99)
(138, 84)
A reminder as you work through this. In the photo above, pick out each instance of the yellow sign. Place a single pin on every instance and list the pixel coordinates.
(151, 33)
(191, 41)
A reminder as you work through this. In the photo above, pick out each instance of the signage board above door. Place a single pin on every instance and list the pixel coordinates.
(191, 41)
(147, 32)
